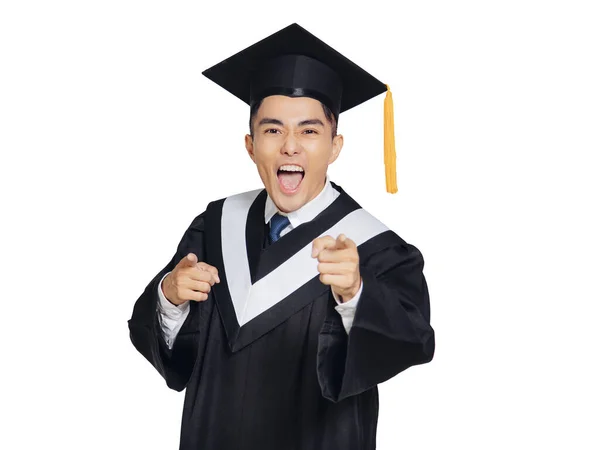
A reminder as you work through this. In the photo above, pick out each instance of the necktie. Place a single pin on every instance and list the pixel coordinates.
(278, 223)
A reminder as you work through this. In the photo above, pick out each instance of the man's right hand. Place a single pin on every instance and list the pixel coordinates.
(189, 280)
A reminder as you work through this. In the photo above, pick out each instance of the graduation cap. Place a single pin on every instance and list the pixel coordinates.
(295, 63)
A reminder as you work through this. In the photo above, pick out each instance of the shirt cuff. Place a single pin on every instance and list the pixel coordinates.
(347, 310)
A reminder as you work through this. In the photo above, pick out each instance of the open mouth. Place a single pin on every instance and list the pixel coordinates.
(290, 177)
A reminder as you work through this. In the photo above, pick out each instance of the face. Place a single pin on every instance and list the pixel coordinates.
(292, 148)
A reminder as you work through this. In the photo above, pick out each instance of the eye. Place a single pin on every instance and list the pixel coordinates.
(310, 131)
(271, 131)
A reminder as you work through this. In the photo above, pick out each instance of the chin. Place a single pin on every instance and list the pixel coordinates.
(289, 203)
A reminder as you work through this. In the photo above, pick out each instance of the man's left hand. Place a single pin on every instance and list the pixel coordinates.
(338, 264)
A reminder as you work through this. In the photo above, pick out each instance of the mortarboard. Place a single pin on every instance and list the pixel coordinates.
(295, 63)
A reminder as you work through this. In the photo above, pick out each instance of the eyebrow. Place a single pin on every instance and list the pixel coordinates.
(271, 121)
(311, 122)
(268, 120)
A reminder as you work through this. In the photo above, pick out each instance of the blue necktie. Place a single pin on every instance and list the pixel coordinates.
(278, 223)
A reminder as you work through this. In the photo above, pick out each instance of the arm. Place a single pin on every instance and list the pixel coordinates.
(171, 317)
(390, 331)
(174, 364)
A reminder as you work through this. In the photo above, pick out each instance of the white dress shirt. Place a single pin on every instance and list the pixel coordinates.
(172, 316)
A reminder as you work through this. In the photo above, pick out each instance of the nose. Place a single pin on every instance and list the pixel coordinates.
(291, 146)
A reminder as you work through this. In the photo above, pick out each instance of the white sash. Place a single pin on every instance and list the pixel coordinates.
(250, 300)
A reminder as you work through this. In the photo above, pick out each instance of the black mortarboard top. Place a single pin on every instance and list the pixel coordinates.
(295, 63)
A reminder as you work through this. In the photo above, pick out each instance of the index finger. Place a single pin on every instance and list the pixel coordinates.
(344, 242)
(322, 243)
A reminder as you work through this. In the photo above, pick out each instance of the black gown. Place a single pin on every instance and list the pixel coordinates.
(289, 378)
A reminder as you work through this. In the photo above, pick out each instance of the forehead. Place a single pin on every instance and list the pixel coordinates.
(281, 106)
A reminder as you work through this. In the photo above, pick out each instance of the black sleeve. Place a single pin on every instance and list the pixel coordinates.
(390, 331)
(176, 364)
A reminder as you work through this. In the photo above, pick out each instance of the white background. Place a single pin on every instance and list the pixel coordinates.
(112, 142)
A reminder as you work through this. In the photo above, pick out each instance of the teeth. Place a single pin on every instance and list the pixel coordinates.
(291, 168)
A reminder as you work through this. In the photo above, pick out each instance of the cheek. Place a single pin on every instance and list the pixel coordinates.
(264, 160)
(319, 157)
(266, 149)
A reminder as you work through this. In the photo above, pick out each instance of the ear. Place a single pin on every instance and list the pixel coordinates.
(249, 142)
(338, 143)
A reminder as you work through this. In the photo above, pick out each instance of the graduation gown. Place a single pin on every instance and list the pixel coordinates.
(265, 360)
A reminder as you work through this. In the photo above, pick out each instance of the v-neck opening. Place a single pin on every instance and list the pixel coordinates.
(272, 256)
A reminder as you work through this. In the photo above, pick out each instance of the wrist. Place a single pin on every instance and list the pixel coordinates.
(349, 295)
(165, 290)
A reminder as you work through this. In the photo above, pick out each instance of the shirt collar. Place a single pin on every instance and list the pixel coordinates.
(307, 212)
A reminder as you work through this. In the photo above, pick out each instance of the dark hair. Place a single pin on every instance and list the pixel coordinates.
(328, 114)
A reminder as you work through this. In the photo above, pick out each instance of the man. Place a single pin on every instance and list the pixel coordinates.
(284, 307)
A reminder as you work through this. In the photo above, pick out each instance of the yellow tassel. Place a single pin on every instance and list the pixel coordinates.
(389, 143)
